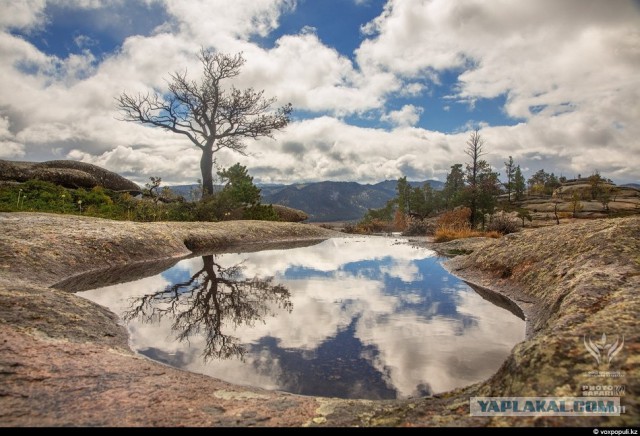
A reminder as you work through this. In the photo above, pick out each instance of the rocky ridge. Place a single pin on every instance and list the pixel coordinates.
(67, 173)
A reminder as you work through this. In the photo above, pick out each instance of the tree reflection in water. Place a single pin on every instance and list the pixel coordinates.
(214, 299)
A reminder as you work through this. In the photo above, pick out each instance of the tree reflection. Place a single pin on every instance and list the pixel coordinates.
(213, 299)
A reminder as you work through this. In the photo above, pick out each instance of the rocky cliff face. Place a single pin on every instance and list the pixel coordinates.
(67, 173)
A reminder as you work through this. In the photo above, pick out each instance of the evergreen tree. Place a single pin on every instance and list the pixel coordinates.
(474, 150)
(404, 195)
(519, 185)
(423, 200)
(454, 187)
(488, 189)
(239, 186)
(510, 173)
(596, 182)
(543, 183)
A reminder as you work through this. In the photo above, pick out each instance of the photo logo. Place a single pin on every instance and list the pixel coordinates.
(601, 350)
(545, 406)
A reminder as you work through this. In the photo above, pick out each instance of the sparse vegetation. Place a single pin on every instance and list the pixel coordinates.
(413, 211)
(455, 225)
(502, 223)
(542, 199)
(374, 225)
(239, 199)
(417, 227)
(576, 204)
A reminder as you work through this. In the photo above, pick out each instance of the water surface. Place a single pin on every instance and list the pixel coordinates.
(368, 317)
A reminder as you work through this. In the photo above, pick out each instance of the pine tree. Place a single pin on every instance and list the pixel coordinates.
(519, 185)
(510, 173)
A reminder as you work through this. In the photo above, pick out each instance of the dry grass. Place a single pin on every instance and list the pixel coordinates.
(455, 220)
(444, 234)
(366, 228)
(455, 225)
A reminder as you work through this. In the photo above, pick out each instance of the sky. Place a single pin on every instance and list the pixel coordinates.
(380, 89)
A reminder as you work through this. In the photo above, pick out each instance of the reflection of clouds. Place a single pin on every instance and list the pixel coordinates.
(258, 369)
(412, 347)
(331, 255)
(404, 269)
(414, 350)
(411, 298)
(120, 293)
(320, 309)
(141, 335)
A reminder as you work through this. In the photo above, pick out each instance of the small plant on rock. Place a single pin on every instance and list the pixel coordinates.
(502, 223)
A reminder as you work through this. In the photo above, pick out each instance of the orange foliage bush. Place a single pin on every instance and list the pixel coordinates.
(455, 225)
(455, 220)
(399, 221)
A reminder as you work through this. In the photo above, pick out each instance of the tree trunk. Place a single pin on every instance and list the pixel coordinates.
(473, 206)
(206, 168)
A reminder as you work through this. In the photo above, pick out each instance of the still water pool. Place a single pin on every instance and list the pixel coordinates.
(367, 317)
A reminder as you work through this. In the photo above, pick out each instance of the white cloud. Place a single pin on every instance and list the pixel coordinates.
(211, 22)
(409, 115)
(327, 148)
(578, 60)
(139, 164)
(23, 14)
(568, 71)
(301, 70)
(9, 146)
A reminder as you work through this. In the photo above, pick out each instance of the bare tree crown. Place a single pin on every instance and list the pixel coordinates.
(211, 115)
(475, 145)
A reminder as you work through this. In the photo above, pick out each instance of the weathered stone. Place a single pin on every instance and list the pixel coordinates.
(65, 361)
(67, 173)
(289, 214)
(285, 214)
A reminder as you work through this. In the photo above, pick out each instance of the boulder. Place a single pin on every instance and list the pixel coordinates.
(289, 214)
(285, 214)
(67, 173)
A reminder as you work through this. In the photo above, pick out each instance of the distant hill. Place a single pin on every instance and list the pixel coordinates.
(189, 192)
(632, 185)
(335, 201)
(327, 201)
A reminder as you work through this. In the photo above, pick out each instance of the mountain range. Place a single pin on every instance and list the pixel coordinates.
(327, 201)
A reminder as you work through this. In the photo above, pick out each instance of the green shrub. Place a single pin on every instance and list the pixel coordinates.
(35, 196)
(39, 196)
(261, 212)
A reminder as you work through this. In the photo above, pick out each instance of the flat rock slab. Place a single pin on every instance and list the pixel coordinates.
(65, 361)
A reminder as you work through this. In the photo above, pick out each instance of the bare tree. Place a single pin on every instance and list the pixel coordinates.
(213, 300)
(213, 116)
